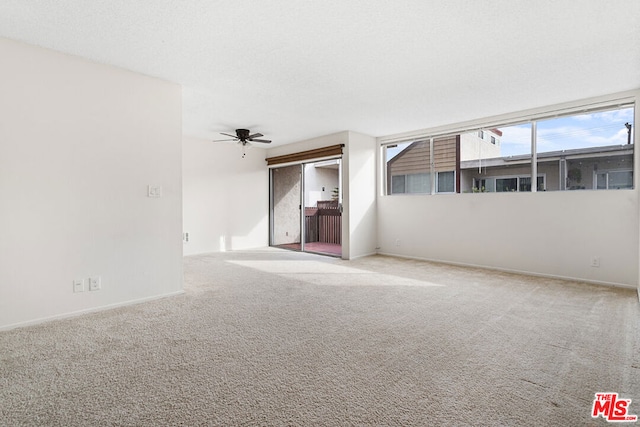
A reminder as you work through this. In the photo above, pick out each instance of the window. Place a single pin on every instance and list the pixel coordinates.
(446, 182)
(445, 162)
(587, 150)
(398, 184)
(480, 160)
(418, 183)
(502, 184)
(614, 180)
(408, 167)
(414, 183)
(506, 184)
(412, 167)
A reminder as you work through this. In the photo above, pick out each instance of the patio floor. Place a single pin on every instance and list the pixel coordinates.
(322, 248)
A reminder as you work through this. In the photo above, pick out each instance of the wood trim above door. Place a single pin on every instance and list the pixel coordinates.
(332, 150)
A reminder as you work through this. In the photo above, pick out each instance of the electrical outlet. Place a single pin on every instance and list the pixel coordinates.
(154, 191)
(397, 242)
(78, 285)
(595, 261)
(94, 283)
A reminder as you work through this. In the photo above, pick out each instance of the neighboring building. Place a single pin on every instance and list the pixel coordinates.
(482, 144)
(600, 168)
(471, 162)
(409, 171)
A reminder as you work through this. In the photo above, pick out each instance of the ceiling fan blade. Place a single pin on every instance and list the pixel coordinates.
(226, 134)
(265, 141)
(255, 135)
(223, 140)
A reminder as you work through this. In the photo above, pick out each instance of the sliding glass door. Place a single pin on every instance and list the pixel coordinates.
(306, 207)
(323, 207)
(286, 191)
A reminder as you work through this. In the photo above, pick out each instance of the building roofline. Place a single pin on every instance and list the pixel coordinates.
(575, 153)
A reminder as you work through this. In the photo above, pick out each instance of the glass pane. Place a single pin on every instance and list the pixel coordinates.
(500, 152)
(620, 179)
(506, 184)
(593, 145)
(445, 160)
(397, 184)
(525, 184)
(404, 160)
(418, 183)
(446, 182)
(286, 188)
(490, 185)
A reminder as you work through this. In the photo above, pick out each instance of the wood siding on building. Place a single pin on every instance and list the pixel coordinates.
(444, 153)
(416, 157)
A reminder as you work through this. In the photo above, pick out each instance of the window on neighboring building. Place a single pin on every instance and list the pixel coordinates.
(413, 183)
(446, 182)
(503, 184)
(398, 184)
(493, 140)
(481, 134)
(614, 180)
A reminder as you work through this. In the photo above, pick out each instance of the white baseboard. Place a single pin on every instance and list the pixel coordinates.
(508, 270)
(86, 311)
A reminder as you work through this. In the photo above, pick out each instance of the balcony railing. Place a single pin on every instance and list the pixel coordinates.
(323, 223)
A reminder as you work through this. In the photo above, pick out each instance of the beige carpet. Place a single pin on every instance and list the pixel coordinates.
(281, 338)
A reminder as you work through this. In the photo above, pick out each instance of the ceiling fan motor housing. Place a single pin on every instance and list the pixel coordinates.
(242, 133)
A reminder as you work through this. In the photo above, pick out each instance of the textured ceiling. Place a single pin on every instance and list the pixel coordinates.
(296, 69)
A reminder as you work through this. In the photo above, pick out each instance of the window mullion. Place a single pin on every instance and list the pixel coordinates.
(432, 167)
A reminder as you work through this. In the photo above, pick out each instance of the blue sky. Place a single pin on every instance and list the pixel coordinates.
(579, 131)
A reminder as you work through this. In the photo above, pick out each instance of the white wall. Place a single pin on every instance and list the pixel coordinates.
(553, 233)
(359, 198)
(79, 143)
(358, 185)
(225, 197)
(309, 144)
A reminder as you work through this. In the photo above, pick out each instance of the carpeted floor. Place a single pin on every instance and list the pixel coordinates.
(282, 338)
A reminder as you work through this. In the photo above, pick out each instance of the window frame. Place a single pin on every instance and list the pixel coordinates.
(606, 103)
(607, 172)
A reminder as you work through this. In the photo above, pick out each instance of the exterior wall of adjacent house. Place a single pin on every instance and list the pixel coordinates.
(81, 143)
(553, 173)
(416, 159)
(319, 183)
(225, 197)
(549, 233)
(472, 147)
(549, 170)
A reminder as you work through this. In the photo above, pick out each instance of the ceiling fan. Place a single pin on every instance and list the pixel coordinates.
(243, 137)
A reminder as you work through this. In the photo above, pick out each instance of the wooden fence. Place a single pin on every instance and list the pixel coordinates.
(324, 223)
